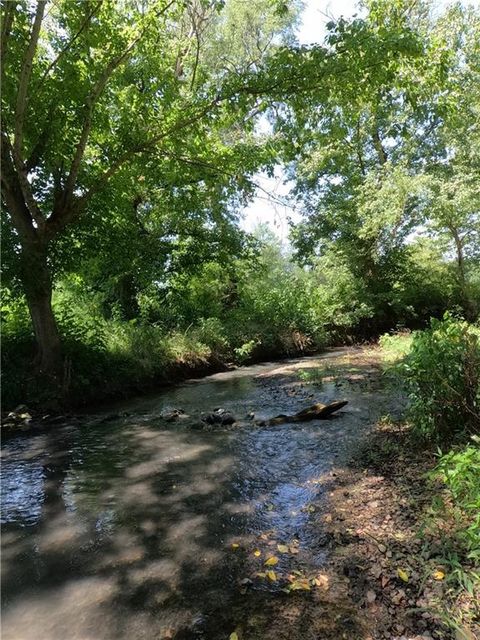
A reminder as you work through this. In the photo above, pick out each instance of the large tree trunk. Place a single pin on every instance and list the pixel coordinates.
(37, 284)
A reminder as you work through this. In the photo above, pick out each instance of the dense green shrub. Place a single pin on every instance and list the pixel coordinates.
(457, 510)
(442, 374)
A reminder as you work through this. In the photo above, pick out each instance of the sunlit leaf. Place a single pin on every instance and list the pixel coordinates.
(273, 560)
(403, 575)
(302, 584)
(322, 581)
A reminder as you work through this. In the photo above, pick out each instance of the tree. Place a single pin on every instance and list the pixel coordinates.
(97, 96)
(371, 152)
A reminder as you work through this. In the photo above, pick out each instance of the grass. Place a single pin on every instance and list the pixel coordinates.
(395, 346)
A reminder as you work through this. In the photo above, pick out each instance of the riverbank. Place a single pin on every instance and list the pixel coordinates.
(50, 411)
(133, 361)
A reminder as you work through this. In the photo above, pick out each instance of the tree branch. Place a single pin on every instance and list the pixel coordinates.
(23, 84)
(87, 125)
(70, 43)
(41, 143)
(377, 143)
(22, 181)
(13, 194)
(6, 28)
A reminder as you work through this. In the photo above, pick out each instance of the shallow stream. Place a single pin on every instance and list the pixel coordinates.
(124, 525)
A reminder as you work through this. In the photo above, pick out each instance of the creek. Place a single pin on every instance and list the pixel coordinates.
(124, 525)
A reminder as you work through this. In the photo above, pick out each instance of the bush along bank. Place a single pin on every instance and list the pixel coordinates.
(432, 461)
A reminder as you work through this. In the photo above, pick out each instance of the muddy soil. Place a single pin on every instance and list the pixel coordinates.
(133, 524)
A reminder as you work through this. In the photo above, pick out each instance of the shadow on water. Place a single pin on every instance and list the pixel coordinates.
(125, 530)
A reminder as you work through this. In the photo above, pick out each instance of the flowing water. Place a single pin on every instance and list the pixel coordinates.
(122, 526)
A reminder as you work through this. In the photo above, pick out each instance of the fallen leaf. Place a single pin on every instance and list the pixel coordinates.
(321, 581)
(271, 575)
(261, 574)
(235, 545)
(371, 596)
(257, 553)
(271, 561)
(245, 581)
(302, 584)
(233, 636)
(376, 571)
(438, 575)
(403, 575)
(282, 548)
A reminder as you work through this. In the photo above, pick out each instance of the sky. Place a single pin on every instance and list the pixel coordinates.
(271, 211)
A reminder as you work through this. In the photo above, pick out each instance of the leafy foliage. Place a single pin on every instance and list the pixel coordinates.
(442, 374)
(459, 508)
(132, 136)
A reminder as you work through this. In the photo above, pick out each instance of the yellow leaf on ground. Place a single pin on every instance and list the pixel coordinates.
(271, 561)
(261, 574)
(300, 585)
(282, 548)
(271, 575)
(438, 575)
(403, 575)
(257, 553)
(235, 545)
(233, 636)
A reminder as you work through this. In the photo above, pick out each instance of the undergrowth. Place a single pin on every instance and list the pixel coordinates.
(440, 370)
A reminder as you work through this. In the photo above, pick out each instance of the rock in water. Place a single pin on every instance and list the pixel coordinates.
(173, 416)
(219, 416)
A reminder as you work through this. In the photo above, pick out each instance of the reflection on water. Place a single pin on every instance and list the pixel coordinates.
(124, 529)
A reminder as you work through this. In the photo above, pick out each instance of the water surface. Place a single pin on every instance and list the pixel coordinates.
(123, 528)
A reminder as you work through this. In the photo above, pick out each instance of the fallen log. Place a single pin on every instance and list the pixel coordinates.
(317, 411)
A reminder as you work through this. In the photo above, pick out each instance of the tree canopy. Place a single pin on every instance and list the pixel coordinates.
(133, 132)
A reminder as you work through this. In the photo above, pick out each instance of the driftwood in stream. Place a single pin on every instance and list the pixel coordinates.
(315, 412)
